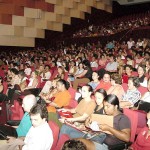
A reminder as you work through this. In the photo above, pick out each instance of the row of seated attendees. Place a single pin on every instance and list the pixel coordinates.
(110, 85)
(115, 26)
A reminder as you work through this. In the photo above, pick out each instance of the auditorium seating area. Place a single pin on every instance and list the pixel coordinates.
(115, 26)
(69, 69)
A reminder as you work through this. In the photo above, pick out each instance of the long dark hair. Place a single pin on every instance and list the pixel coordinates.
(65, 83)
(102, 91)
(112, 99)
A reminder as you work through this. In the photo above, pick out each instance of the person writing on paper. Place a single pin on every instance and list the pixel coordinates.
(120, 132)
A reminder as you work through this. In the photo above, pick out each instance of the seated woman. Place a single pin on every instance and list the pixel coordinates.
(95, 80)
(147, 64)
(120, 64)
(128, 73)
(73, 68)
(130, 60)
(146, 96)
(105, 82)
(49, 89)
(99, 109)
(116, 87)
(33, 81)
(18, 88)
(143, 138)
(120, 132)
(61, 73)
(85, 76)
(144, 104)
(141, 74)
(132, 95)
(61, 99)
(14, 80)
(71, 76)
(103, 61)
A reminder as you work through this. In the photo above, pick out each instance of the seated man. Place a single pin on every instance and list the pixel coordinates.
(24, 126)
(40, 135)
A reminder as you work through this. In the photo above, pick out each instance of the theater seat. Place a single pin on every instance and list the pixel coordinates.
(63, 138)
(55, 129)
(16, 111)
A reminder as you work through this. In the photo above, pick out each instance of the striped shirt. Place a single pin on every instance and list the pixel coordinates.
(132, 96)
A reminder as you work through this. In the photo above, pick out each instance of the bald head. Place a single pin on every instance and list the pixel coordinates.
(28, 102)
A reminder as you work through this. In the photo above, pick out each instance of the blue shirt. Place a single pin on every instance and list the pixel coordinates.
(24, 125)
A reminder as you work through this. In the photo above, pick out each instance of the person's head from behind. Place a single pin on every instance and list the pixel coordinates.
(14, 72)
(74, 145)
(133, 82)
(38, 114)
(86, 91)
(116, 79)
(86, 63)
(28, 102)
(62, 85)
(100, 94)
(111, 104)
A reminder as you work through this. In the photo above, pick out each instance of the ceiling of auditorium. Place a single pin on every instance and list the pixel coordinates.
(130, 2)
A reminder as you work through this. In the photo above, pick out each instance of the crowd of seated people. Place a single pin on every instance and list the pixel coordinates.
(112, 79)
(115, 26)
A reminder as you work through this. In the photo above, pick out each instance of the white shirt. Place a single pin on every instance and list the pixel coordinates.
(111, 66)
(130, 44)
(27, 71)
(146, 97)
(94, 64)
(47, 75)
(39, 138)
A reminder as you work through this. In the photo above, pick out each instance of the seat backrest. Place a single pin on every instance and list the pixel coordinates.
(125, 86)
(72, 92)
(73, 103)
(39, 82)
(55, 129)
(133, 116)
(5, 85)
(63, 138)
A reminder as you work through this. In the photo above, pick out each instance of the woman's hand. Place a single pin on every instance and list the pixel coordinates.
(88, 121)
(104, 127)
(69, 119)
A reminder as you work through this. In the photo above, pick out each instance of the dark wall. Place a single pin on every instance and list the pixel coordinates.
(122, 10)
